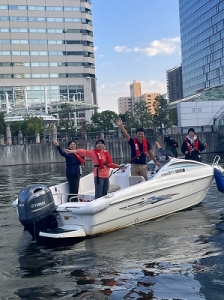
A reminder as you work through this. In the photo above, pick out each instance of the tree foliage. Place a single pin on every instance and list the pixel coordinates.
(130, 121)
(2, 123)
(161, 116)
(66, 121)
(142, 115)
(33, 125)
(105, 120)
(18, 126)
(173, 116)
(30, 126)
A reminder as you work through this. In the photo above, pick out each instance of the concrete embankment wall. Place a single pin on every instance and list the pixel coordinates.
(118, 148)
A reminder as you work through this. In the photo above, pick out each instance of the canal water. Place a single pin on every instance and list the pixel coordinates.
(176, 257)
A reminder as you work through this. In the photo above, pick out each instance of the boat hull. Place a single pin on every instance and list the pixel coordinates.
(134, 210)
(178, 185)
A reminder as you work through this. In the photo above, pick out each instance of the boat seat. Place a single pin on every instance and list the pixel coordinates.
(114, 188)
(135, 180)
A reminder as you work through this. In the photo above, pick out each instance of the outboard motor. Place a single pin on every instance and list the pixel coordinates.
(35, 208)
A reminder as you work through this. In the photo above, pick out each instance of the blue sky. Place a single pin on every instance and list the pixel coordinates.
(134, 40)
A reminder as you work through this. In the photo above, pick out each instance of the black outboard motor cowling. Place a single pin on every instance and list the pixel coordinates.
(35, 208)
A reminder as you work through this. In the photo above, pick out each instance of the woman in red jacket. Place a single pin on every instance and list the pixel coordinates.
(102, 162)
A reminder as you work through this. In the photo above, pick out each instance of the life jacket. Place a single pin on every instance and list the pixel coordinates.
(175, 145)
(190, 146)
(145, 147)
(80, 158)
(100, 158)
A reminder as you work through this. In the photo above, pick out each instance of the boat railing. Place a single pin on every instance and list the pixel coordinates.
(216, 160)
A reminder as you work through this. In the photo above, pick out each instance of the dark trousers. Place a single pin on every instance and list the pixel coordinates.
(101, 186)
(73, 180)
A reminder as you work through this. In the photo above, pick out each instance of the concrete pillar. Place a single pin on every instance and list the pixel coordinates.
(8, 135)
(38, 138)
(55, 132)
(2, 139)
(15, 140)
(20, 138)
(119, 132)
(45, 135)
(102, 135)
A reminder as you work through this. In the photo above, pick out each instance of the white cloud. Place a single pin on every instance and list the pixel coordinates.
(122, 49)
(163, 46)
(95, 48)
(153, 86)
(106, 63)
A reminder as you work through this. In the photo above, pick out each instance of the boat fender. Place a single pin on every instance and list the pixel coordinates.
(219, 180)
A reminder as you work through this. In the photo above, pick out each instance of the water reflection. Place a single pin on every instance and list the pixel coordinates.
(176, 257)
(125, 264)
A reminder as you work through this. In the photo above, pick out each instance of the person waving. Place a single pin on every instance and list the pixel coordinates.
(102, 162)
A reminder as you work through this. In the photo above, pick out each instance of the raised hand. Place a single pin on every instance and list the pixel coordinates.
(119, 122)
(56, 143)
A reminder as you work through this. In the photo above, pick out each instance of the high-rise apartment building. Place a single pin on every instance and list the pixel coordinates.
(174, 84)
(124, 105)
(202, 43)
(150, 100)
(135, 91)
(46, 51)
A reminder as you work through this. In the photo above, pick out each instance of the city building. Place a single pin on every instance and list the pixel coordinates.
(202, 42)
(201, 115)
(124, 105)
(47, 54)
(135, 91)
(174, 84)
(149, 99)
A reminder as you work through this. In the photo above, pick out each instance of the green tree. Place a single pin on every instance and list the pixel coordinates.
(130, 120)
(2, 124)
(142, 115)
(15, 127)
(122, 117)
(33, 125)
(65, 116)
(105, 120)
(173, 116)
(161, 116)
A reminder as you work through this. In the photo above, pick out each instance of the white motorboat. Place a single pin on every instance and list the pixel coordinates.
(178, 184)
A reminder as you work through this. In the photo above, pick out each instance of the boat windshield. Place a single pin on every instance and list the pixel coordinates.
(151, 167)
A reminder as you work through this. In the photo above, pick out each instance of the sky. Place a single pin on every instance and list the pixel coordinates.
(134, 40)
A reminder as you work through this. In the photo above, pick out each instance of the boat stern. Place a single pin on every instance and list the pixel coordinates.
(64, 232)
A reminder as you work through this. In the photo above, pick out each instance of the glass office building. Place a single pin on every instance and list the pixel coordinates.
(174, 84)
(202, 43)
(46, 52)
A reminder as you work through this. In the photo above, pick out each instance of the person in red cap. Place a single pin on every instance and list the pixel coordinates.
(102, 162)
